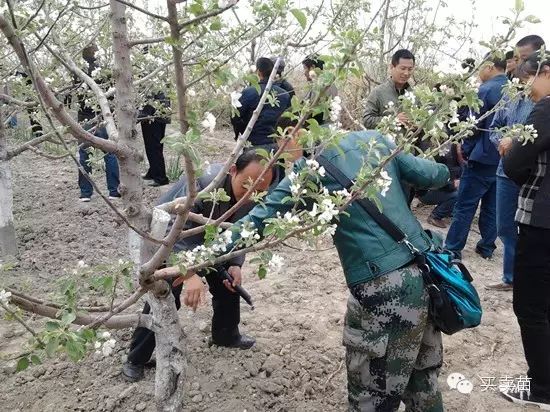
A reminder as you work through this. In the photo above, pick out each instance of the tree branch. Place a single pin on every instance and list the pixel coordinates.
(115, 322)
(141, 10)
(27, 145)
(204, 16)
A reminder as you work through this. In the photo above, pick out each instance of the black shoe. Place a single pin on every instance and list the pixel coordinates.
(483, 255)
(132, 372)
(154, 183)
(243, 342)
(526, 398)
(146, 177)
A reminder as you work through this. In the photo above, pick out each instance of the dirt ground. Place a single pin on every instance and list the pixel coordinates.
(298, 361)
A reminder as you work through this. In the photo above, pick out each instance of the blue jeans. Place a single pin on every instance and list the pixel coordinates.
(507, 228)
(478, 184)
(111, 169)
(444, 200)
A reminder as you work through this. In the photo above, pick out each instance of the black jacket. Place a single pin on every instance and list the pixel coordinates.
(266, 124)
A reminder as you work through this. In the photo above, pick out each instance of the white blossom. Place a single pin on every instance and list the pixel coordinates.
(321, 171)
(276, 263)
(5, 297)
(191, 93)
(97, 345)
(105, 335)
(235, 102)
(344, 193)
(249, 234)
(292, 176)
(81, 264)
(390, 105)
(312, 74)
(289, 217)
(410, 96)
(384, 182)
(296, 189)
(312, 163)
(108, 347)
(209, 122)
(335, 108)
(328, 212)
(515, 80)
(330, 230)
(314, 210)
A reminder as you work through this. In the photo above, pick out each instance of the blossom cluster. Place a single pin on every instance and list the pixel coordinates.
(105, 347)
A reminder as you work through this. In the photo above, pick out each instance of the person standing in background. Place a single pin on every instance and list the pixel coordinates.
(514, 112)
(153, 128)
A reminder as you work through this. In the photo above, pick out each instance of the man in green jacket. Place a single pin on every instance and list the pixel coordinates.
(387, 93)
(393, 352)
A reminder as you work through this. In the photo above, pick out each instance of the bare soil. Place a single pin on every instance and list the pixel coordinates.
(298, 361)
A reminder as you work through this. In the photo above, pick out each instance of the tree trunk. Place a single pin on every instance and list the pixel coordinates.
(8, 245)
(170, 349)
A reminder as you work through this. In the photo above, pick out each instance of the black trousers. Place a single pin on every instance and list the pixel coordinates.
(153, 133)
(532, 304)
(225, 320)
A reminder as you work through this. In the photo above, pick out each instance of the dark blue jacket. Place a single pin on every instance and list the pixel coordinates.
(266, 124)
(479, 148)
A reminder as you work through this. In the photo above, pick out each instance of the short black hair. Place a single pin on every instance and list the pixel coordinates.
(509, 55)
(468, 63)
(533, 40)
(314, 61)
(498, 62)
(248, 156)
(264, 66)
(533, 64)
(402, 54)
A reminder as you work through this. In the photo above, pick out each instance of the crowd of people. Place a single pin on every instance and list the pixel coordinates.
(393, 350)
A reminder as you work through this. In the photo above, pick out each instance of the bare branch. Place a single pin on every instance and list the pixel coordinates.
(99, 93)
(54, 305)
(8, 99)
(47, 155)
(115, 322)
(117, 309)
(204, 16)
(19, 319)
(26, 146)
(141, 10)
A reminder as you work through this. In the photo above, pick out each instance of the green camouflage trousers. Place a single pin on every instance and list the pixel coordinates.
(393, 352)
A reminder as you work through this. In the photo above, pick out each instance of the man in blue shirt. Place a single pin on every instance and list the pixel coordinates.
(478, 182)
(515, 112)
(264, 128)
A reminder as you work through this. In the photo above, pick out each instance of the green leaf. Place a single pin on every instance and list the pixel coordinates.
(263, 153)
(300, 16)
(74, 350)
(519, 6)
(51, 347)
(36, 360)
(532, 19)
(51, 326)
(262, 272)
(68, 318)
(22, 364)
(108, 283)
(216, 24)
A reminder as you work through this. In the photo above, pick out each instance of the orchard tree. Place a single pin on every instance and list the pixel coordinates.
(200, 52)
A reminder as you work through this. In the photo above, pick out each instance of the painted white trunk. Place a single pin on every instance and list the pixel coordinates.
(8, 246)
(170, 339)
